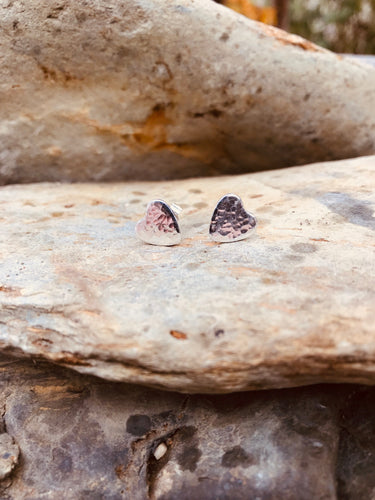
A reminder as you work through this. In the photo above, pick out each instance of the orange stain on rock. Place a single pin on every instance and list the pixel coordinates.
(178, 335)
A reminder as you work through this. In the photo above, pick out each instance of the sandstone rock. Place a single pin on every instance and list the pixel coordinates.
(111, 90)
(294, 305)
(84, 438)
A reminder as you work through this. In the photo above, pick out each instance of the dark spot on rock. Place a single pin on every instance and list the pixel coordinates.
(296, 258)
(195, 191)
(189, 457)
(158, 107)
(259, 90)
(135, 200)
(306, 97)
(138, 425)
(192, 266)
(55, 12)
(120, 471)
(81, 17)
(62, 460)
(303, 248)
(187, 432)
(228, 103)
(218, 333)
(6, 455)
(36, 50)
(123, 52)
(48, 73)
(178, 58)
(216, 113)
(224, 37)
(357, 212)
(268, 281)
(164, 416)
(200, 204)
(236, 456)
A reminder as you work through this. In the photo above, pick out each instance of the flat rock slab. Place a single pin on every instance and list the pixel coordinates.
(85, 438)
(292, 305)
(134, 89)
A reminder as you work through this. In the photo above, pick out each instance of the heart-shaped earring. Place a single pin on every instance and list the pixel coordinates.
(160, 224)
(230, 221)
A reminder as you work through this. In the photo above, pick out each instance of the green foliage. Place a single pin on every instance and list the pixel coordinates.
(339, 25)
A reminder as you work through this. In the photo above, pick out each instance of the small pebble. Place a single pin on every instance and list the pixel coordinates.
(160, 451)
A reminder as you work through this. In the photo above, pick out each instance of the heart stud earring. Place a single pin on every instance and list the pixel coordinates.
(230, 221)
(160, 224)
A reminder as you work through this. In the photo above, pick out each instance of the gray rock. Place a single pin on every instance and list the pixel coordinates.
(115, 90)
(291, 306)
(8, 455)
(363, 58)
(84, 438)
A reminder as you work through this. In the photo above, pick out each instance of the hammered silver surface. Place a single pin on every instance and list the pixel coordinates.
(230, 221)
(159, 226)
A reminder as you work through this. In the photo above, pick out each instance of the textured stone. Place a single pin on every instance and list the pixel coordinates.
(115, 89)
(84, 438)
(292, 305)
(8, 455)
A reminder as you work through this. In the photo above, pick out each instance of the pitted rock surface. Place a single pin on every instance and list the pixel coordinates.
(82, 437)
(293, 305)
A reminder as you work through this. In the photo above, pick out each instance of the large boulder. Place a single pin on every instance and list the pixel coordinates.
(115, 90)
(293, 305)
(84, 438)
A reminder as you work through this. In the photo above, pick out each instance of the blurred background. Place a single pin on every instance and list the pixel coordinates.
(338, 25)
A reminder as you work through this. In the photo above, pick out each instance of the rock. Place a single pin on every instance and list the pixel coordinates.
(77, 443)
(8, 455)
(123, 90)
(291, 306)
(363, 58)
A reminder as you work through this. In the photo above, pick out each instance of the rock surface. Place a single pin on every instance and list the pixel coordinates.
(363, 58)
(84, 438)
(115, 90)
(8, 455)
(293, 305)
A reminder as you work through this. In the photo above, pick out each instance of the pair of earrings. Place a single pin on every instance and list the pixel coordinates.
(229, 222)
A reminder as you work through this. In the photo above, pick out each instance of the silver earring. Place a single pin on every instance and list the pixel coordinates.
(160, 224)
(230, 221)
